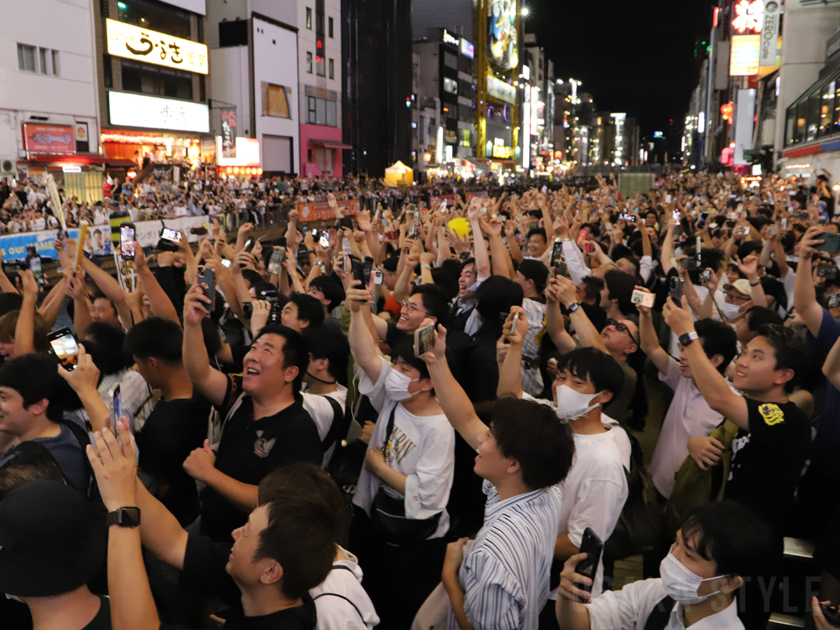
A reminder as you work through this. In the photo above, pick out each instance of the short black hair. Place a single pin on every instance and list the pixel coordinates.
(790, 352)
(27, 462)
(758, 316)
(494, 298)
(728, 534)
(621, 286)
(99, 295)
(331, 288)
(251, 276)
(294, 351)
(330, 344)
(390, 263)
(434, 301)
(596, 366)
(539, 232)
(405, 350)
(155, 337)
(110, 342)
(309, 309)
(35, 378)
(533, 435)
(717, 338)
(592, 288)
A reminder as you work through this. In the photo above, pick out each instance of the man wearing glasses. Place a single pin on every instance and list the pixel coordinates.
(619, 338)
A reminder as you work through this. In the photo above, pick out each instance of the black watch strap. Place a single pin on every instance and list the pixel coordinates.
(574, 306)
(124, 517)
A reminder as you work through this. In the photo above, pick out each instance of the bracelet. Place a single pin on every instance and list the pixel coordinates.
(756, 284)
(425, 266)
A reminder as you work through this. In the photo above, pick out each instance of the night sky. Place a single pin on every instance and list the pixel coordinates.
(634, 57)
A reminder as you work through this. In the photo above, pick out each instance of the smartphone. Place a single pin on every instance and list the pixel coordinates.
(277, 258)
(560, 269)
(675, 290)
(676, 215)
(411, 230)
(65, 347)
(324, 239)
(37, 271)
(831, 614)
(800, 215)
(353, 265)
(630, 218)
(249, 244)
(732, 216)
(667, 198)
(690, 264)
(169, 235)
(744, 230)
(116, 396)
(830, 244)
(643, 297)
(367, 269)
(832, 301)
(377, 277)
(514, 322)
(592, 546)
(582, 237)
(205, 277)
(556, 253)
(588, 248)
(706, 276)
(827, 271)
(226, 262)
(127, 233)
(424, 340)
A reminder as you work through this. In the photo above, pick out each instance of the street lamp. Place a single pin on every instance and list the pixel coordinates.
(524, 12)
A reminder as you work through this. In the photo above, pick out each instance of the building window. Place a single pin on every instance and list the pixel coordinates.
(331, 28)
(309, 63)
(450, 85)
(320, 112)
(26, 58)
(146, 79)
(43, 53)
(275, 100)
(320, 66)
(309, 18)
(332, 69)
(156, 16)
(107, 75)
(55, 66)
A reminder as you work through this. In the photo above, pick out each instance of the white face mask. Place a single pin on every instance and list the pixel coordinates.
(396, 384)
(730, 311)
(571, 405)
(680, 583)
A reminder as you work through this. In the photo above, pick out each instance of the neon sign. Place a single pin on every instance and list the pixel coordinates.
(749, 16)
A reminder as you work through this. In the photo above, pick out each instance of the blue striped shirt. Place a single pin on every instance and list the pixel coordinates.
(505, 571)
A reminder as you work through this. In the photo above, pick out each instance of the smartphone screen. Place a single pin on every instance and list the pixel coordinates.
(170, 235)
(275, 261)
(205, 277)
(556, 252)
(64, 345)
(127, 241)
(226, 262)
(37, 270)
(117, 397)
(324, 240)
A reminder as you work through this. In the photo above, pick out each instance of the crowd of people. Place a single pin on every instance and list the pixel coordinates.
(426, 414)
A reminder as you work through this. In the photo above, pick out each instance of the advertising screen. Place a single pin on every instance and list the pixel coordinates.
(502, 41)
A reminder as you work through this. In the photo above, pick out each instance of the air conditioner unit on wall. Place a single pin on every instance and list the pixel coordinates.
(7, 166)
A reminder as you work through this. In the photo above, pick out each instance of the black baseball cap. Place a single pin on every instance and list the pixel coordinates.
(534, 270)
(52, 541)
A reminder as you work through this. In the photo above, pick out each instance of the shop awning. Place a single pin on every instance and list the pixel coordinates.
(329, 144)
(65, 159)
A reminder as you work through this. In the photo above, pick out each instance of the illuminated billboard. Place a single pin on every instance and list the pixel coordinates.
(744, 56)
(502, 40)
(133, 42)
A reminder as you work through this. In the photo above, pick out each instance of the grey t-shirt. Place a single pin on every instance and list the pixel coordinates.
(70, 456)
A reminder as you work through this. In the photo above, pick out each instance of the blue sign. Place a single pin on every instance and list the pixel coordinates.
(14, 246)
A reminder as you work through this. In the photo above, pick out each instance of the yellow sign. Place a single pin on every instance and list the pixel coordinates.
(140, 44)
(744, 57)
(502, 152)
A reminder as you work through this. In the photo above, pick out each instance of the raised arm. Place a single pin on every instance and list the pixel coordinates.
(667, 253)
(111, 288)
(709, 381)
(510, 372)
(210, 383)
(5, 284)
(555, 324)
(81, 311)
(587, 333)
(482, 260)
(804, 295)
(84, 380)
(25, 327)
(648, 339)
(451, 396)
(158, 299)
(362, 343)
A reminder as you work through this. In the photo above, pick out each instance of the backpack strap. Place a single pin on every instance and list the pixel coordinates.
(339, 426)
(346, 599)
(660, 615)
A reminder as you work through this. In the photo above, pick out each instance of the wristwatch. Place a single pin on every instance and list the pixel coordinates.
(124, 517)
(573, 307)
(687, 338)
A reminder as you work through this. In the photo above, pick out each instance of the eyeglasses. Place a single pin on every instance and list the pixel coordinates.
(620, 327)
(411, 307)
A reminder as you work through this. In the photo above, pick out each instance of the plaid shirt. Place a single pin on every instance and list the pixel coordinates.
(532, 381)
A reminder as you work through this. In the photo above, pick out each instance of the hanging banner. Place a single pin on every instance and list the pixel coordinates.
(48, 139)
(13, 246)
(321, 211)
(228, 115)
(770, 34)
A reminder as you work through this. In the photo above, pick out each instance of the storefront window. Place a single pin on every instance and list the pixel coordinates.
(148, 79)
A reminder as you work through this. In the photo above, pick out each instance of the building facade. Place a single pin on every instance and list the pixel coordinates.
(49, 116)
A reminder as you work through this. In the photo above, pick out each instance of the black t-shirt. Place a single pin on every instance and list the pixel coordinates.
(394, 335)
(102, 620)
(768, 459)
(172, 431)
(204, 567)
(250, 449)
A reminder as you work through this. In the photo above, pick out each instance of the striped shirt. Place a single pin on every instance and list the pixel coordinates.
(505, 570)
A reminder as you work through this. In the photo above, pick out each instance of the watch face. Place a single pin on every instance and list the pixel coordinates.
(129, 516)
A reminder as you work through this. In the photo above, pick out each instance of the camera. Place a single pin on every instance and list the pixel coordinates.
(827, 271)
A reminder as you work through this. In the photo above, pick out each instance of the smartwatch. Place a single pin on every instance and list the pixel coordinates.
(687, 338)
(573, 307)
(124, 517)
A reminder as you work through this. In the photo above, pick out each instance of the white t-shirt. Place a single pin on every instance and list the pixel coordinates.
(422, 448)
(322, 413)
(334, 595)
(37, 225)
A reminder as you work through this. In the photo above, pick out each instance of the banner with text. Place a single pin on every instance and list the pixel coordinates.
(321, 211)
(14, 246)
